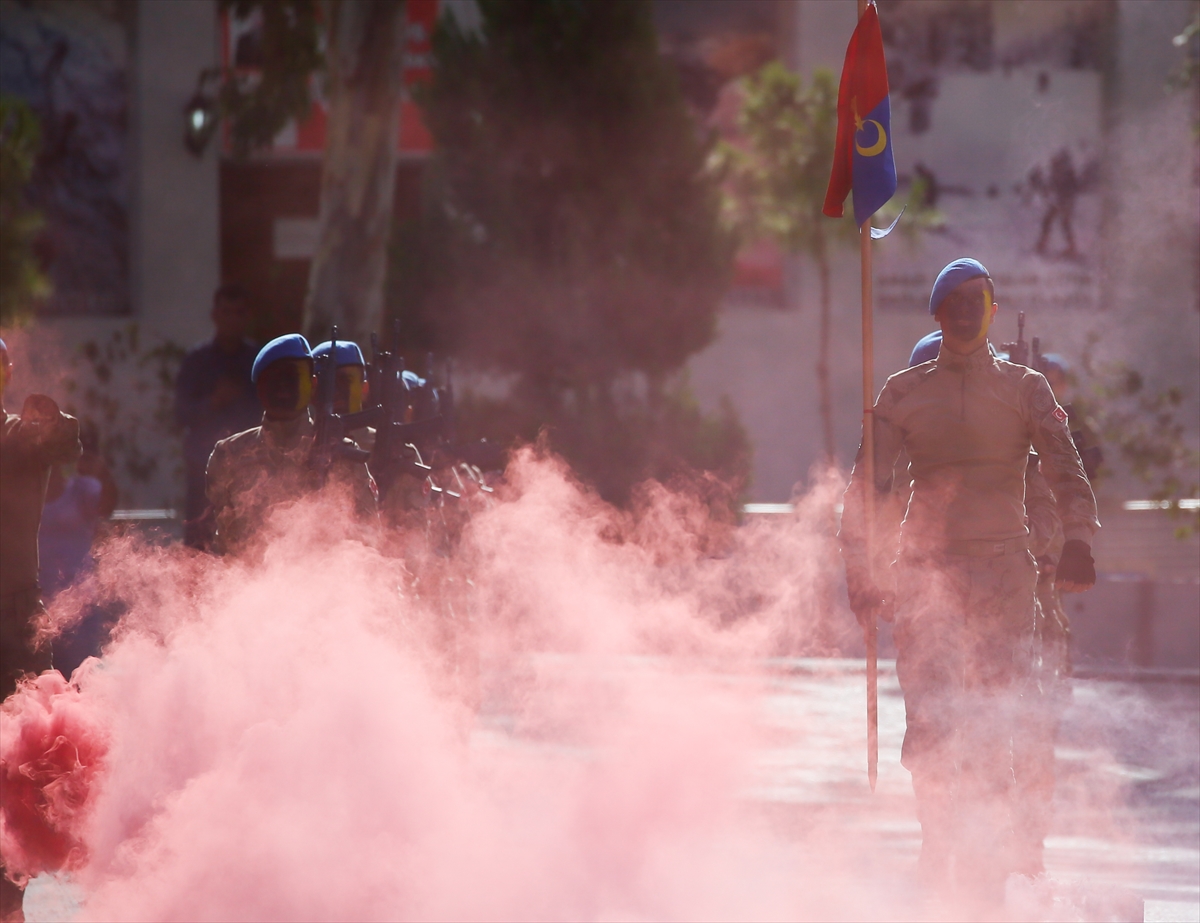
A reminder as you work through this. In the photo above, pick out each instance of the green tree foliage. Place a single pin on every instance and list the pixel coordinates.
(571, 237)
(22, 282)
(260, 103)
(776, 173)
(1145, 428)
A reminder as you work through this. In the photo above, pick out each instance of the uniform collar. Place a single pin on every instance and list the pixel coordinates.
(982, 358)
(287, 433)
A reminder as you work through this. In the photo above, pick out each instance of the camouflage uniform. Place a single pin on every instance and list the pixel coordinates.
(27, 451)
(965, 582)
(250, 472)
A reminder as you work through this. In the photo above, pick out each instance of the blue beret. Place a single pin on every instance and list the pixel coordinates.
(348, 352)
(927, 348)
(950, 278)
(288, 346)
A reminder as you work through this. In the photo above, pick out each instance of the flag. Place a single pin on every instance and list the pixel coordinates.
(862, 156)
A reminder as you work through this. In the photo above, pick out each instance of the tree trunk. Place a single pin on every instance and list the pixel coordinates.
(346, 279)
(823, 393)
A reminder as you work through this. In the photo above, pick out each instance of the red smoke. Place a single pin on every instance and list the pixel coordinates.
(51, 749)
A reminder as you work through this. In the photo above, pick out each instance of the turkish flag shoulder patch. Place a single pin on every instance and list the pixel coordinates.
(1060, 415)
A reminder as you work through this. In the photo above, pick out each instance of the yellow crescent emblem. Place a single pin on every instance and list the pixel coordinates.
(878, 146)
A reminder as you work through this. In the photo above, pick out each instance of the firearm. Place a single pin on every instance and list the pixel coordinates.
(414, 420)
(1022, 353)
(329, 441)
(1018, 352)
(1030, 355)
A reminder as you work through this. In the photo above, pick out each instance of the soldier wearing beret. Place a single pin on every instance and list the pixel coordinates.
(963, 583)
(250, 472)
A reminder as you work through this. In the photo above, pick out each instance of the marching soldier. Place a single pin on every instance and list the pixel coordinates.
(252, 471)
(1046, 693)
(31, 442)
(964, 580)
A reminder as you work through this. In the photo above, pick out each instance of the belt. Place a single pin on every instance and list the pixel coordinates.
(22, 603)
(981, 548)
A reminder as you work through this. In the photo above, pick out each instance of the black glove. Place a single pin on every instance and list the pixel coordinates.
(1076, 570)
(865, 599)
(39, 409)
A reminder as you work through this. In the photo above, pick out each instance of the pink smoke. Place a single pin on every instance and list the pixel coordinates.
(561, 717)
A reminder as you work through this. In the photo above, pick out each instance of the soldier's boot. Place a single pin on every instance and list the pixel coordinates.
(984, 854)
(935, 811)
(1033, 807)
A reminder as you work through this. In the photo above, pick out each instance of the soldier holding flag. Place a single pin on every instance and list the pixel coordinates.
(962, 585)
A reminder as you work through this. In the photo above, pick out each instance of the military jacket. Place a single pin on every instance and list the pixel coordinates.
(27, 450)
(967, 424)
(252, 471)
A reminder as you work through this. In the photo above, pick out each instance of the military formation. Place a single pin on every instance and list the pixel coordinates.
(985, 515)
(376, 436)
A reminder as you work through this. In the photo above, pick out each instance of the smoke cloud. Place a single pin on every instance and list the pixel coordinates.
(561, 718)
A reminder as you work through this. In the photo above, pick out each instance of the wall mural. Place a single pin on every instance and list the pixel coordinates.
(1000, 120)
(71, 61)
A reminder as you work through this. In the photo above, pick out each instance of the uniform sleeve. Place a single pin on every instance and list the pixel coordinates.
(54, 442)
(889, 440)
(1041, 513)
(1060, 462)
(62, 445)
(218, 489)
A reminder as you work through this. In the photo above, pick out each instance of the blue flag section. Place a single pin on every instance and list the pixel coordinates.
(874, 177)
(862, 156)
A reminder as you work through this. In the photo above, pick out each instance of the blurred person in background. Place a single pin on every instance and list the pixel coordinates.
(76, 505)
(1058, 373)
(214, 398)
(964, 581)
(31, 443)
(252, 471)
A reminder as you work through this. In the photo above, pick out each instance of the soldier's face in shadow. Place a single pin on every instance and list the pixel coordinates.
(965, 315)
(349, 389)
(285, 387)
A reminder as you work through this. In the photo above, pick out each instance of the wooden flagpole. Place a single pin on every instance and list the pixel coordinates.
(870, 630)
